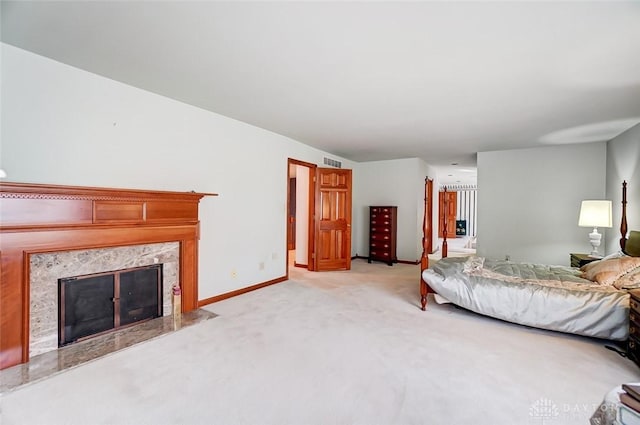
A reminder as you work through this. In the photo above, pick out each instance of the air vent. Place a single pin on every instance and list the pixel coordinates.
(332, 162)
(458, 187)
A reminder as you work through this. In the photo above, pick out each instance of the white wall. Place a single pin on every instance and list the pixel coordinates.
(623, 163)
(62, 125)
(302, 215)
(395, 182)
(529, 201)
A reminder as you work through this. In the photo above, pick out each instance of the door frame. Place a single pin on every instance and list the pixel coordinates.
(311, 204)
(292, 222)
(428, 215)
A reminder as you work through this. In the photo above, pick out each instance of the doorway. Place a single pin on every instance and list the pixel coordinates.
(300, 202)
(457, 215)
(321, 225)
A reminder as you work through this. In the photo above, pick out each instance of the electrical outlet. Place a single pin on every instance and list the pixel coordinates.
(234, 274)
(261, 265)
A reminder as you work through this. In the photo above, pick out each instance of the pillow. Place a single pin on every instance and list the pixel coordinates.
(632, 246)
(606, 272)
(630, 280)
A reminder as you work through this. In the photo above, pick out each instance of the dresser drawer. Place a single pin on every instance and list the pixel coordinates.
(634, 305)
(380, 230)
(380, 237)
(380, 255)
(380, 245)
(381, 221)
(387, 210)
(634, 329)
(633, 349)
(384, 215)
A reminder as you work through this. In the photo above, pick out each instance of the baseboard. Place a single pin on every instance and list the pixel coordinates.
(302, 266)
(413, 262)
(211, 300)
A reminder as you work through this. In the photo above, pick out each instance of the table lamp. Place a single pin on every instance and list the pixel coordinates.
(595, 214)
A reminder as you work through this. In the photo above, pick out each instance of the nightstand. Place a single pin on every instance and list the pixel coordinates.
(633, 343)
(579, 260)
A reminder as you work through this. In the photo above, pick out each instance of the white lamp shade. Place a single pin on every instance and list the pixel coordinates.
(595, 214)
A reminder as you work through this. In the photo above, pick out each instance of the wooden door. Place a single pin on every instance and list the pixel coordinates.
(448, 206)
(332, 219)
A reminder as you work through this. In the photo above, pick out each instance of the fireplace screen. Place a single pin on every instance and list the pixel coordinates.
(101, 302)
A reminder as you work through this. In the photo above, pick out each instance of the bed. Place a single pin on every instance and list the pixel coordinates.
(591, 301)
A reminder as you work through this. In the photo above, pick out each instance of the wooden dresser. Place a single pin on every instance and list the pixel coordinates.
(633, 344)
(383, 224)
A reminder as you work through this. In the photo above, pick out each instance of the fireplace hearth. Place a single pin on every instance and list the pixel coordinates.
(94, 304)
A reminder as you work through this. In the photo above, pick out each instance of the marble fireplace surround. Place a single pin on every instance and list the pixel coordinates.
(46, 268)
(44, 219)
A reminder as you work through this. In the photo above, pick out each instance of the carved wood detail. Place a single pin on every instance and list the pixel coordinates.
(37, 218)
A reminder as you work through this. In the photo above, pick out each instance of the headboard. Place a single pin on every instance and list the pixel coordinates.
(632, 245)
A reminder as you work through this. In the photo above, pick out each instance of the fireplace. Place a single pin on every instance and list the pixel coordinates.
(46, 269)
(39, 220)
(94, 304)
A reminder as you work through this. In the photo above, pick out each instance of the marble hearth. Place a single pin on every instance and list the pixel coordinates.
(47, 268)
(53, 362)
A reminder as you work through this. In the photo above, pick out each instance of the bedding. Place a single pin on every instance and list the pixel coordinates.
(592, 301)
(549, 297)
(608, 271)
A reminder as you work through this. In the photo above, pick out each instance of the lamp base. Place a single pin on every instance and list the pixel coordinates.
(594, 239)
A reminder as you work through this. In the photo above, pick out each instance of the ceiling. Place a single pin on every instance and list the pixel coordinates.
(366, 80)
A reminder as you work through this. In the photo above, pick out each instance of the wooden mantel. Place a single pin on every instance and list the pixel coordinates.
(36, 218)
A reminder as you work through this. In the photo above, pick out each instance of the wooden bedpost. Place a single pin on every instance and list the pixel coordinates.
(426, 239)
(445, 246)
(623, 221)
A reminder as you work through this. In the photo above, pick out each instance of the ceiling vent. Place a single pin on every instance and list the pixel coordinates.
(332, 162)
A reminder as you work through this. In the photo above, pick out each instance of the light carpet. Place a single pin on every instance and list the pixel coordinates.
(335, 348)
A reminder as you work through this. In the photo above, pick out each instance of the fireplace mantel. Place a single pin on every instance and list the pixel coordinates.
(36, 218)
